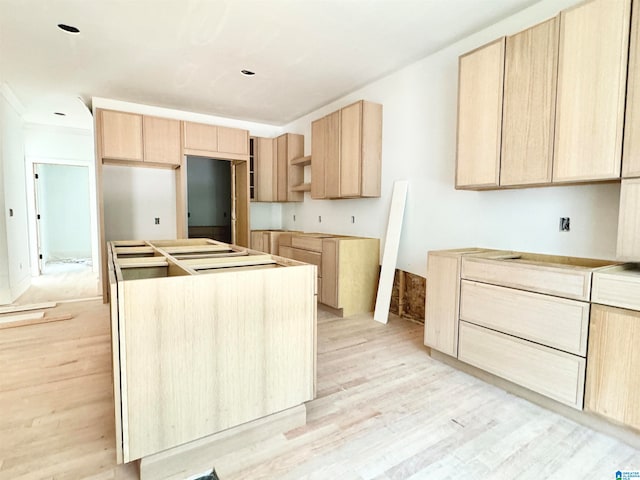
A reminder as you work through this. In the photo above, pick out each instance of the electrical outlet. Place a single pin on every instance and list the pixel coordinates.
(353, 219)
(294, 218)
(11, 212)
(157, 220)
(319, 218)
(565, 225)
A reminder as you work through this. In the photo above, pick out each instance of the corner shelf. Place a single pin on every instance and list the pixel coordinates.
(301, 161)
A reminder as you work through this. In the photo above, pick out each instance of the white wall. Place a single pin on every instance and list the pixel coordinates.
(64, 207)
(61, 146)
(14, 248)
(419, 141)
(133, 198)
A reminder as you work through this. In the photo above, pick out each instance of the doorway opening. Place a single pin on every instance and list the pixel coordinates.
(209, 198)
(63, 218)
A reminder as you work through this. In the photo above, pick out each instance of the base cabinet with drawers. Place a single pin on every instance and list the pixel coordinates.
(520, 316)
(348, 267)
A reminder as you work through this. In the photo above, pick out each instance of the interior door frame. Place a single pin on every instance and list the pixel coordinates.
(30, 163)
(240, 200)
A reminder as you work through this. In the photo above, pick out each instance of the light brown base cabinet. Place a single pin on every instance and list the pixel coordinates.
(520, 316)
(613, 364)
(348, 267)
(206, 337)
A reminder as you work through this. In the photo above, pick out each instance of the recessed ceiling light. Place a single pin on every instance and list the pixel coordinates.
(60, 113)
(247, 73)
(68, 28)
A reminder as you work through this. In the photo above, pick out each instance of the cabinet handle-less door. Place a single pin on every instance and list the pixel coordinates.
(631, 148)
(318, 155)
(121, 136)
(529, 105)
(162, 140)
(351, 150)
(481, 77)
(592, 72)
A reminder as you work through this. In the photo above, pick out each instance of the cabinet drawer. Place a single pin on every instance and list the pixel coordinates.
(307, 257)
(307, 243)
(562, 281)
(618, 287)
(552, 373)
(555, 322)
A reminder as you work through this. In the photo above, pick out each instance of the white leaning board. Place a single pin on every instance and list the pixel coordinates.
(390, 254)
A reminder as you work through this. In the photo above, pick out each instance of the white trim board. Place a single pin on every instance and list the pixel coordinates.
(390, 254)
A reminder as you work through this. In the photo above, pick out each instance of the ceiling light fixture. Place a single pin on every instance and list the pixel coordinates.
(60, 113)
(247, 73)
(68, 28)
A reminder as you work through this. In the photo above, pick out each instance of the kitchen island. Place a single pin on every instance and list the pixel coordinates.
(206, 337)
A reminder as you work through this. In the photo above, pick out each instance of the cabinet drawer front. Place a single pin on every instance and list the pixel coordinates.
(307, 257)
(549, 372)
(307, 243)
(619, 288)
(560, 281)
(555, 322)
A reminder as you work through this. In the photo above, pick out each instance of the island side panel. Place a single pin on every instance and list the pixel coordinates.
(211, 351)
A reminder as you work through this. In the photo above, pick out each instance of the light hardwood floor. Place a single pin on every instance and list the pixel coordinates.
(385, 411)
(62, 282)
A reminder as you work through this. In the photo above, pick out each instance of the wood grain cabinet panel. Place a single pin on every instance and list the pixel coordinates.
(550, 372)
(629, 221)
(556, 322)
(617, 286)
(592, 72)
(198, 136)
(122, 136)
(613, 382)
(329, 294)
(480, 94)
(233, 140)
(631, 148)
(319, 155)
(529, 105)
(265, 169)
(332, 140)
(350, 150)
(162, 140)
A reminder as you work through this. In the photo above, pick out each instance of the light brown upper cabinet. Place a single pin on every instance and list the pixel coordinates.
(480, 93)
(288, 147)
(210, 140)
(161, 140)
(233, 140)
(265, 169)
(121, 136)
(631, 148)
(592, 73)
(529, 105)
(349, 152)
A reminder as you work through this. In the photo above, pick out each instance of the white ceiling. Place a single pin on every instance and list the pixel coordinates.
(187, 54)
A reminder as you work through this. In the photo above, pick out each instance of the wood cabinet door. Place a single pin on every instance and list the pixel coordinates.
(480, 82)
(351, 150)
(282, 185)
(198, 136)
(631, 147)
(629, 221)
(529, 105)
(122, 136)
(233, 140)
(265, 166)
(295, 174)
(329, 294)
(162, 140)
(592, 71)
(613, 362)
(442, 303)
(332, 155)
(257, 242)
(318, 157)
